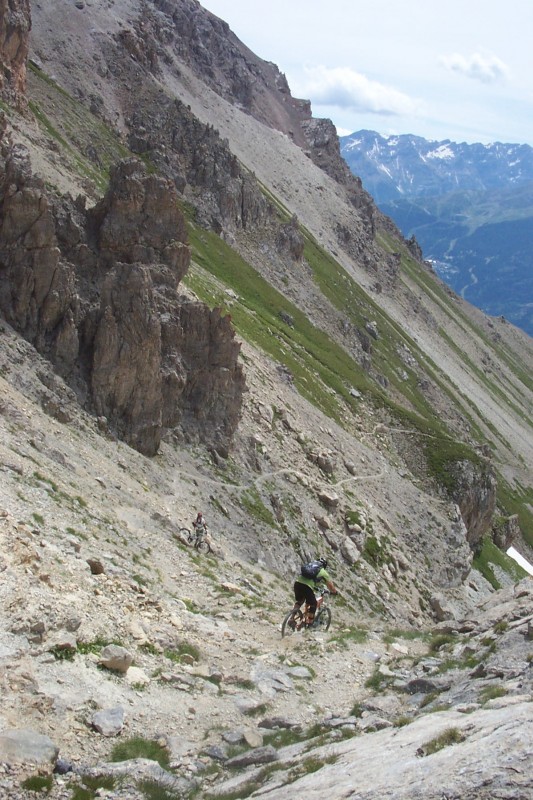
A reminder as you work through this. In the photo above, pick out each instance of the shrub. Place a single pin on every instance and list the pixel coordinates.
(183, 649)
(38, 783)
(446, 738)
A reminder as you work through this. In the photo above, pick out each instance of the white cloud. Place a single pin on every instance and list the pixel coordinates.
(484, 68)
(344, 88)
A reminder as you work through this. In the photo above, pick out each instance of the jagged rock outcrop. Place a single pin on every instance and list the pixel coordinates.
(290, 240)
(475, 493)
(138, 221)
(15, 25)
(37, 292)
(506, 531)
(199, 162)
(96, 293)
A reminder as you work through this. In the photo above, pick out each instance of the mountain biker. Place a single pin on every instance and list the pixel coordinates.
(304, 590)
(200, 526)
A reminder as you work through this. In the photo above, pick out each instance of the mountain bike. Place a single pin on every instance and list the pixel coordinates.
(294, 619)
(199, 541)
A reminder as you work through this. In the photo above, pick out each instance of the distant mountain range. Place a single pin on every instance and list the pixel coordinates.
(470, 206)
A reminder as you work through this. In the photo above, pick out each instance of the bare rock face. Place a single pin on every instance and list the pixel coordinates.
(37, 292)
(291, 240)
(139, 221)
(475, 494)
(96, 293)
(200, 163)
(506, 532)
(126, 368)
(15, 25)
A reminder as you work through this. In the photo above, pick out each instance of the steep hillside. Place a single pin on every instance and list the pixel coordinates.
(228, 323)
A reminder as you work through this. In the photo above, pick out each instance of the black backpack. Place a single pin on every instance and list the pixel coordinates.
(311, 569)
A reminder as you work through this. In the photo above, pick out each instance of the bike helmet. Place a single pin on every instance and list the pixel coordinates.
(323, 562)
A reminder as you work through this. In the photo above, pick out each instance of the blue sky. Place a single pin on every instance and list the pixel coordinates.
(459, 70)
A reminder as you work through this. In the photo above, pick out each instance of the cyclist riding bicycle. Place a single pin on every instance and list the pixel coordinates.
(304, 589)
(199, 526)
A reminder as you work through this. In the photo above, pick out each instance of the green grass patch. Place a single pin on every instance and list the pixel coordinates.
(492, 692)
(93, 647)
(519, 501)
(257, 711)
(63, 653)
(445, 739)
(374, 551)
(322, 371)
(488, 555)
(400, 633)
(90, 786)
(377, 681)
(441, 640)
(140, 748)
(38, 783)
(184, 651)
(349, 635)
(152, 791)
(251, 501)
(443, 458)
(77, 131)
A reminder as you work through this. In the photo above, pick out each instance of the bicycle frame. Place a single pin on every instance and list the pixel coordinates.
(296, 619)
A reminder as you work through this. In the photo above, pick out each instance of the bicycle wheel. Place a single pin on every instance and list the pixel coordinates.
(202, 545)
(323, 619)
(291, 622)
(186, 534)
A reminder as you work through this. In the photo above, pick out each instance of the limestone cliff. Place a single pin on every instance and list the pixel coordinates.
(97, 293)
(15, 24)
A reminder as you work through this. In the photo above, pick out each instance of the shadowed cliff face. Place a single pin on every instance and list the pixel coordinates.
(15, 24)
(96, 292)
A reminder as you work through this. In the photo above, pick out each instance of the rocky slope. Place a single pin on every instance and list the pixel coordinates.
(115, 631)
(94, 573)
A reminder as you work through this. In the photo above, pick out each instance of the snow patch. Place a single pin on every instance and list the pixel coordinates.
(444, 151)
(524, 563)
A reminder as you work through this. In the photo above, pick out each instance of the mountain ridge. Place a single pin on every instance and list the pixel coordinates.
(433, 167)
(469, 207)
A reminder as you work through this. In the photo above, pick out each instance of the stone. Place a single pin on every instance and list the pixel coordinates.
(109, 721)
(275, 723)
(233, 737)
(15, 24)
(96, 566)
(253, 738)
(25, 746)
(148, 361)
(216, 752)
(329, 498)
(63, 640)
(299, 672)
(349, 551)
(116, 658)
(137, 677)
(259, 755)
